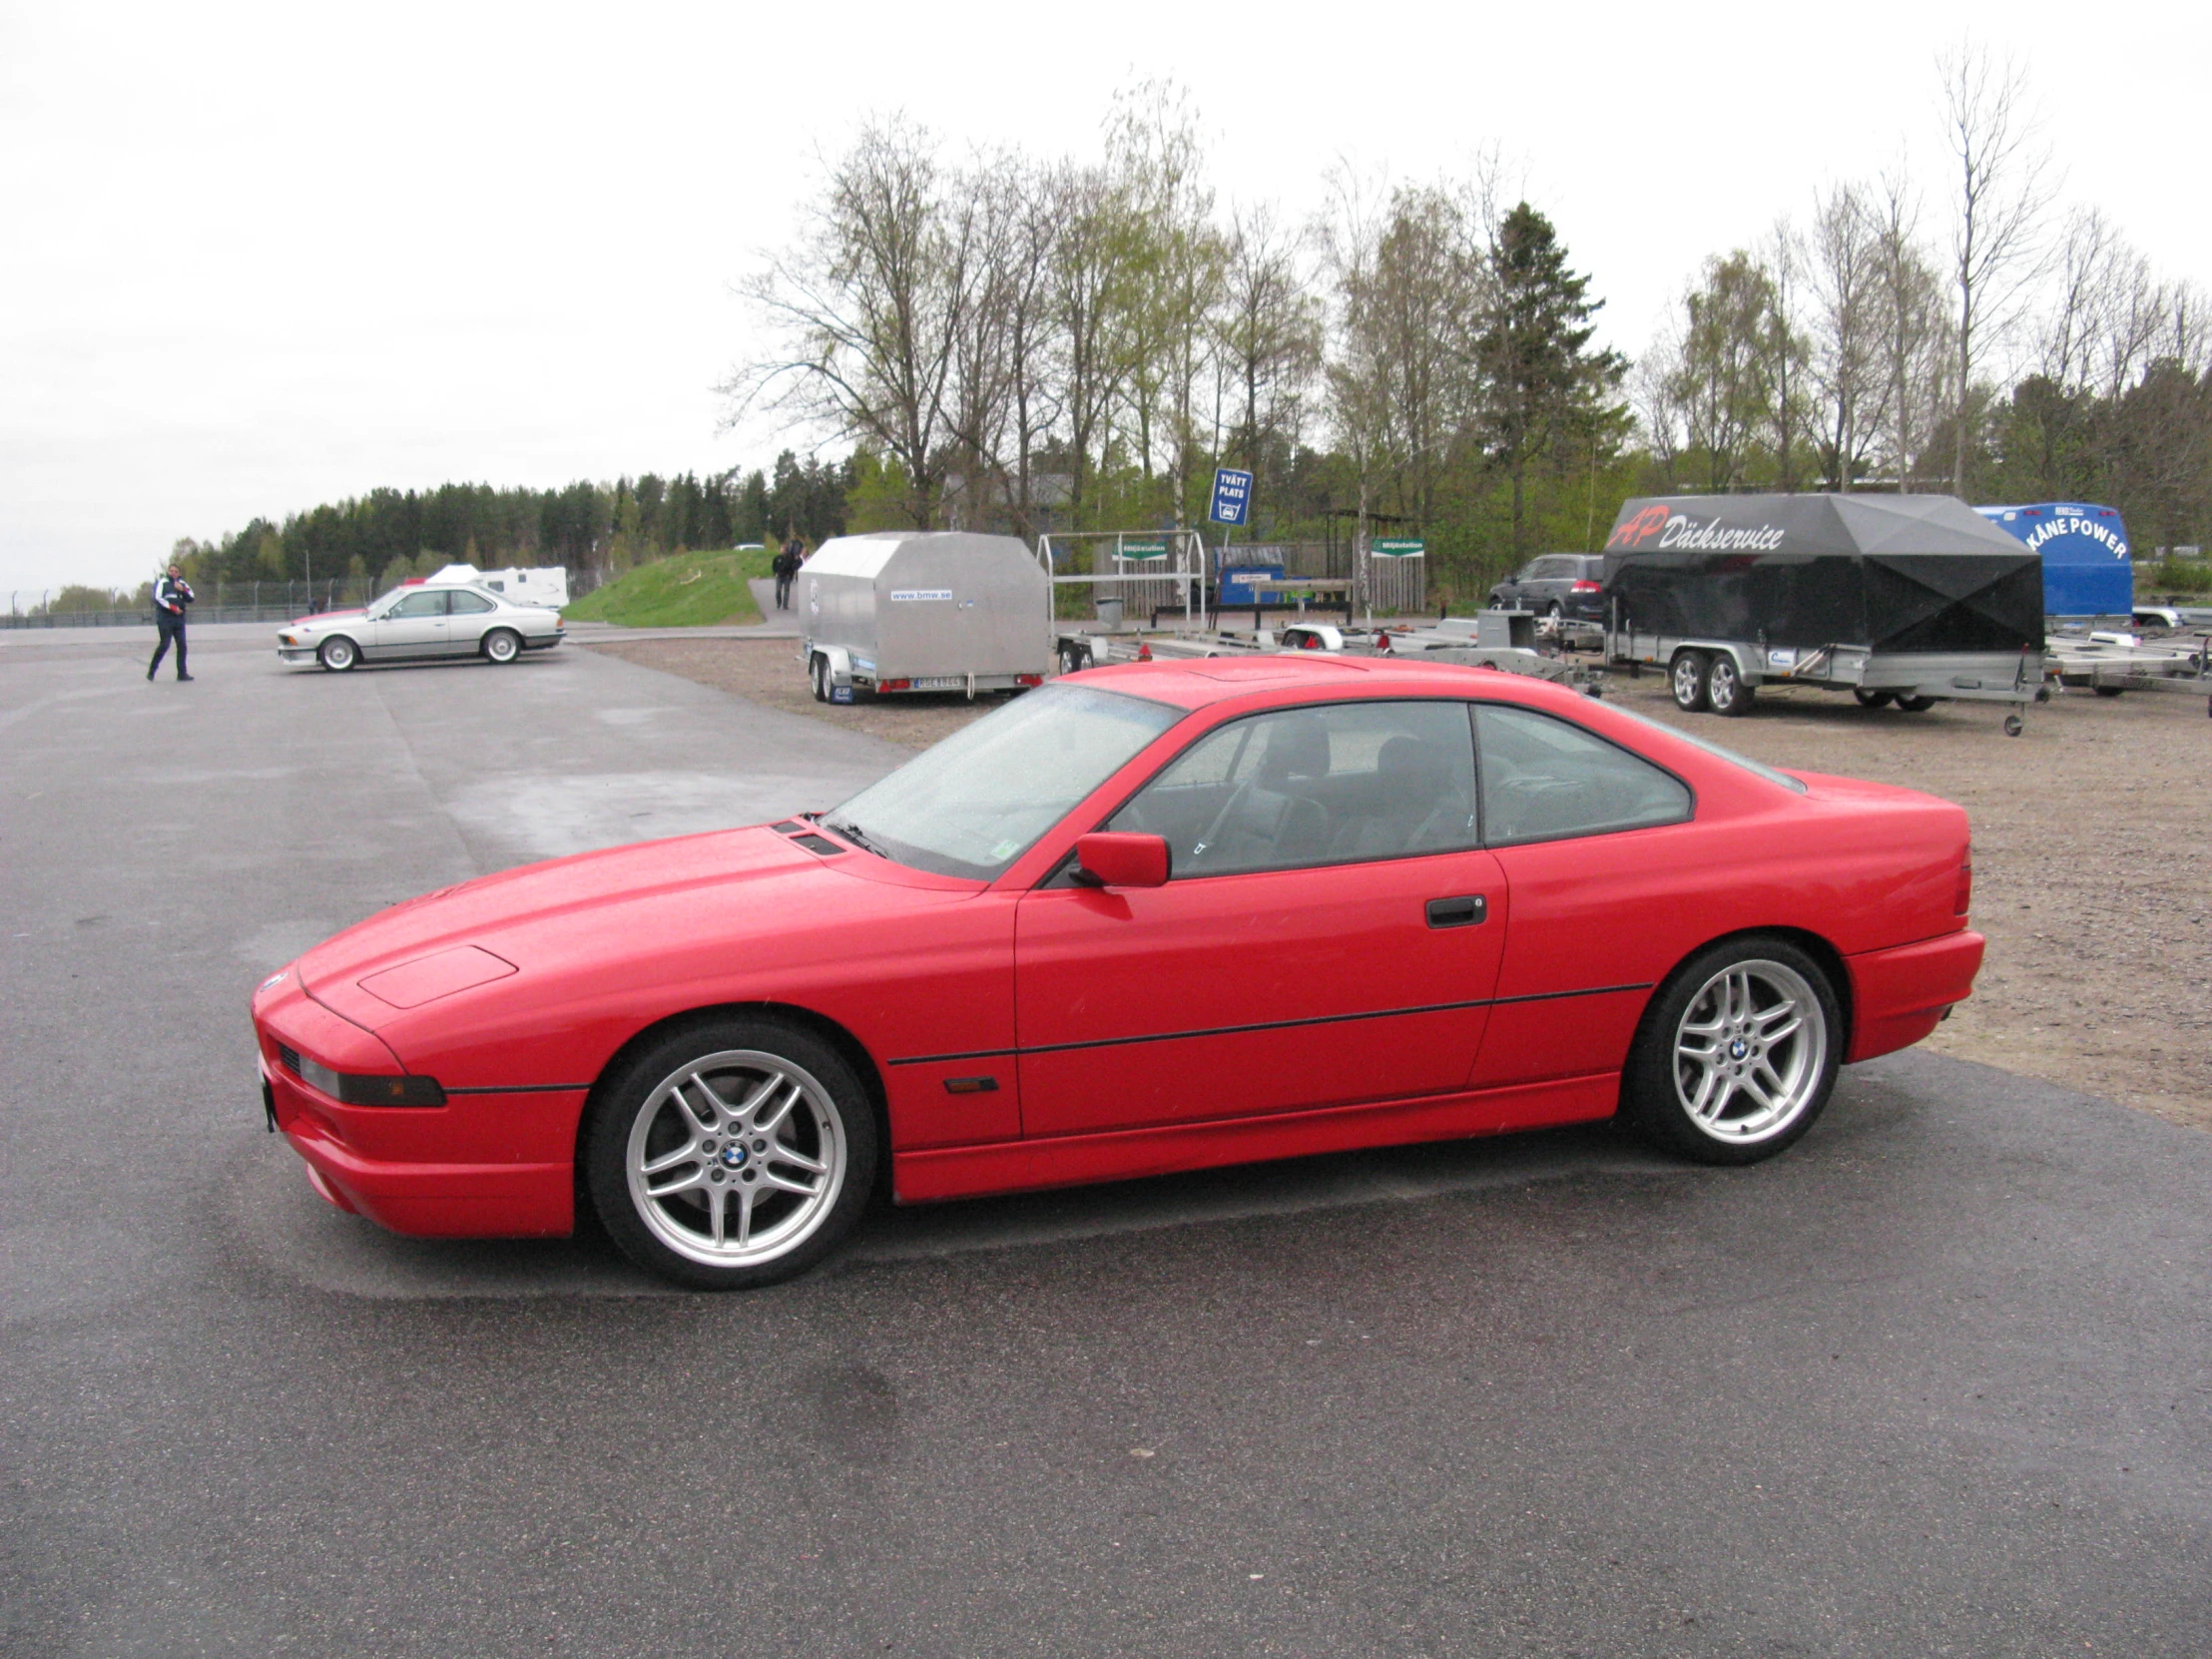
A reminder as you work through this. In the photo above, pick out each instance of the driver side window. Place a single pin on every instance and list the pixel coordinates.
(1341, 783)
(420, 605)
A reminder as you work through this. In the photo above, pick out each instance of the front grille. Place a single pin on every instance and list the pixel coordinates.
(291, 1057)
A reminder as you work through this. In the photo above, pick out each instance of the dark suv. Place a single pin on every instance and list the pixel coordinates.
(1565, 585)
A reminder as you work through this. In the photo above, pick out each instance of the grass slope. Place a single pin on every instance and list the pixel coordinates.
(685, 590)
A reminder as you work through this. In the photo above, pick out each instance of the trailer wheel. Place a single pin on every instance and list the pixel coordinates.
(1725, 691)
(1686, 676)
(1872, 699)
(818, 670)
(2112, 691)
(2014, 725)
(1915, 704)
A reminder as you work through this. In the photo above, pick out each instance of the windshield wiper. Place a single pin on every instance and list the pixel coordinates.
(851, 832)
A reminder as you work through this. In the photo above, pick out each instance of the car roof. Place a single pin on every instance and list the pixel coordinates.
(1197, 682)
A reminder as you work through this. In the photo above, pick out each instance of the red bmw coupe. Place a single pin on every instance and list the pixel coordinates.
(1150, 917)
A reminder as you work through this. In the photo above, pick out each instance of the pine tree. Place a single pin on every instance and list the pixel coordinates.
(1541, 387)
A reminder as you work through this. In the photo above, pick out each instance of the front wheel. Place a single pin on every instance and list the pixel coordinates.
(1738, 1052)
(338, 653)
(818, 670)
(1872, 699)
(1726, 689)
(502, 645)
(1915, 704)
(1687, 680)
(730, 1154)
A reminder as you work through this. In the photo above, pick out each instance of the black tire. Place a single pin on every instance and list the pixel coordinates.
(1726, 689)
(2112, 691)
(1686, 677)
(817, 671)
(1497, 602)
(1915, 704)
(501, 645)
(1658, 1076)
(1873, 699)
(653, 1102)
(1557, 612)
(338, 655)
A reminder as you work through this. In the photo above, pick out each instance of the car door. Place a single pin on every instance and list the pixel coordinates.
(1330, 934)
(1598, 849)
(414, 626)
(468, 618)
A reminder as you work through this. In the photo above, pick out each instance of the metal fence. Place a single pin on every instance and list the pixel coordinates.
(240, 602)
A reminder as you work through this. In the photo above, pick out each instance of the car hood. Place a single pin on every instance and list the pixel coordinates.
(321, 617)
(550, 932)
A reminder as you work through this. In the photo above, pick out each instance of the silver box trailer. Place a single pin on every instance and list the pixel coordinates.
(924, 611)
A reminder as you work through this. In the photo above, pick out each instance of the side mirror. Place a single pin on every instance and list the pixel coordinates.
(1106, 860)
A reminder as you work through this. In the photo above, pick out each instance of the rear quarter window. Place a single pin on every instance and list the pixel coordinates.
(1546, 779)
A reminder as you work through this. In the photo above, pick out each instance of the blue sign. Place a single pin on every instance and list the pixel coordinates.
(1232, 495)
(2086, 569)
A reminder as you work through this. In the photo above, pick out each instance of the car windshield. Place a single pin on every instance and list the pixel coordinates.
(979, 800)
(1757, 768)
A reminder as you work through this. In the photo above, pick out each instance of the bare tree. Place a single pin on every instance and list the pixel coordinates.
(1785, 347)
(871, 306)
(1083, 300)
(2003, 186)
(1268, 331)
(1844, 279)
(1915, 340)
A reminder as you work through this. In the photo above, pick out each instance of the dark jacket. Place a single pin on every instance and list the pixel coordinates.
(171, 596)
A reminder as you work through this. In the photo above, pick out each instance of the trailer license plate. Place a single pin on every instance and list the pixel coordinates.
(941, 681)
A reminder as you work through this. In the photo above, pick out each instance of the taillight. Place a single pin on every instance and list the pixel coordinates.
(897, 685)
(1029, 679)
(1966, 886)
(1588, 587)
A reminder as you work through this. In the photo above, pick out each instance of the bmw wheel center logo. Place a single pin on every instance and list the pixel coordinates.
(1738, 1049)
(734, 1154)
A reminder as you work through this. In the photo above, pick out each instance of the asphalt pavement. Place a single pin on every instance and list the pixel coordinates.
(1937, 1381)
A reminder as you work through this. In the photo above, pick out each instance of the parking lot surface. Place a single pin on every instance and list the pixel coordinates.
(1936, 1382)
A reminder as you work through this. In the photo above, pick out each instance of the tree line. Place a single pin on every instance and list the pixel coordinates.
(2000, 347)
(388, 534)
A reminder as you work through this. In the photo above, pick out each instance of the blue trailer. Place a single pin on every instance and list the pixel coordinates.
(2086, 570)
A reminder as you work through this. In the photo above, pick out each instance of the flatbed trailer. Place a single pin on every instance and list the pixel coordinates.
(2109, 664)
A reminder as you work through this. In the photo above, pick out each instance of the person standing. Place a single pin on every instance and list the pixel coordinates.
(786, 567)
(172, 593)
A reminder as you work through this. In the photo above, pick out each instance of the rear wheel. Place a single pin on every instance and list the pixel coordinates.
(502, 645)
(2112, 691)
(1726, 689)
(1686, 677)
(730, 1154)
(1738, 1052)
(1497, 602)
(1915, 704)
(818, 670)
(338, 653)
(1872, 699)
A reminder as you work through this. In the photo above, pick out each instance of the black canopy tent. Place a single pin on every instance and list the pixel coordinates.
(1897, 573)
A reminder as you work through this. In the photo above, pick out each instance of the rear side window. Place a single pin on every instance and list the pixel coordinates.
(1545, 779)
(468, 604)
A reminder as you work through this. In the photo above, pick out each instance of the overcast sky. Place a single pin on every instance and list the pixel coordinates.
(260, 257)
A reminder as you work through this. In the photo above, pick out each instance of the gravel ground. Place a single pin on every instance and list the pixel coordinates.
(2092, 848)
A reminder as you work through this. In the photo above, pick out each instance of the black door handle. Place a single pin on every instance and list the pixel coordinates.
(1457, 912)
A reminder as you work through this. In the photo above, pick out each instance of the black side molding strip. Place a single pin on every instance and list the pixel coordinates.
(527, 1088)
(1269, 1026)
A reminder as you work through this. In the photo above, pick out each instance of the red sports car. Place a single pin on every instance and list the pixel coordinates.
(1150, 917)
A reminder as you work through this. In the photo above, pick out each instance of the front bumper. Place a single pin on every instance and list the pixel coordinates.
(1899, 995)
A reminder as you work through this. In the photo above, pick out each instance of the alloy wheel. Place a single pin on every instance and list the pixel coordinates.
(737, 1158)
(1749, 1052)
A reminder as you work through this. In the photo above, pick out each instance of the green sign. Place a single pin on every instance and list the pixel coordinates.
(1143, 550)
(1398, 547)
